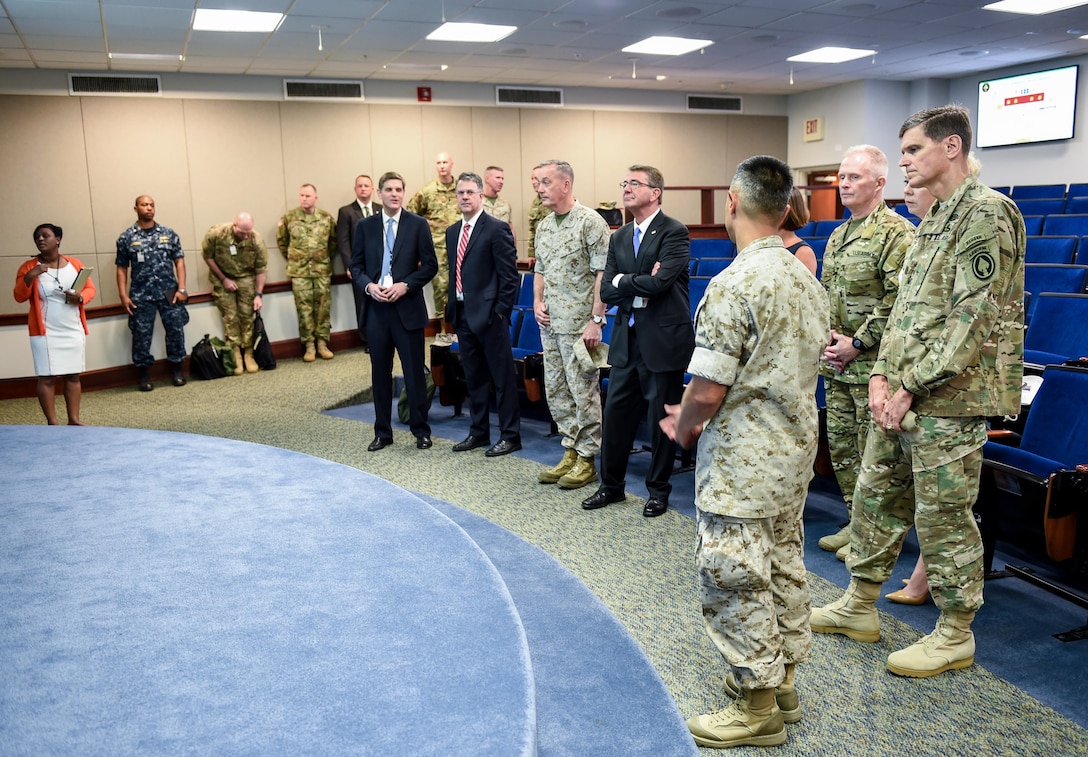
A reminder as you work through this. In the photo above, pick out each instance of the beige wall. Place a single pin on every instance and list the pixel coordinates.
(81, 162)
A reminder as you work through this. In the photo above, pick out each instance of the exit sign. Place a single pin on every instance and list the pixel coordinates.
(814, 129)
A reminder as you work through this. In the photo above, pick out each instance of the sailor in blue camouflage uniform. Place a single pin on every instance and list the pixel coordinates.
(154, 255)
(951, 356)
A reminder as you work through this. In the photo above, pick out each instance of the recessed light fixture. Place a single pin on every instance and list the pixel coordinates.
(207, 20)
(145, 56)
(1034, 7)
(667, 46)
(452, 31)
(832, 55)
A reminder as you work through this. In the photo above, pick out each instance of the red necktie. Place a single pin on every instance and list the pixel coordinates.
(465, 229)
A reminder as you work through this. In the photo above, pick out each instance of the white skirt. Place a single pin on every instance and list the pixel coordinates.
(61, 351)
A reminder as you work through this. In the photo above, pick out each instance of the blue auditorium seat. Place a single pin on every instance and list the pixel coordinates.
(1058, 330)
(1066, 225)
(824, 228)
(525, 294)
(696, 289)
(712, 248)
(1077, 190)
(1033, 225)
(1076, 205)
(1018, 500)
(709, 267)
(1082, 251)
(1040, 207)
(528, 336)
(1038, 192)
(1051, 249)
(818, 246)
(808, 230)
(1051, 277)
(1003, 190)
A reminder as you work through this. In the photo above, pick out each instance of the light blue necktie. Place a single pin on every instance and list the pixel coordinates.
(638, 240)
(387, 259)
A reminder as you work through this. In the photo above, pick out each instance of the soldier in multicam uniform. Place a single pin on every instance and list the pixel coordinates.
(861, 275)
(437, 202)
(495, 206)
(154, 254)
(952, 354)
(537, 213)
(306, 236)
(238, 260)
(571, 252)
(759, 331)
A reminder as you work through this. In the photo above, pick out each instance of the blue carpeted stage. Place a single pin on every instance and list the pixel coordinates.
(164, 592)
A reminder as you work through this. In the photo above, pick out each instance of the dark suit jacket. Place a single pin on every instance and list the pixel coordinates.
(664, 330)
(414, 263)
(489, 273)
(346, 221)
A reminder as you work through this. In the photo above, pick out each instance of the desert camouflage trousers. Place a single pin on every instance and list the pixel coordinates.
(313, 305)
(755, 593)
(847, 426)
(237, 310)
(574, 395)
(927, 478)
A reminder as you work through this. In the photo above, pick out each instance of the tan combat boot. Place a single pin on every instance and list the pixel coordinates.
(581, 473)
(785, 696)
(843, 552)
(323, 350)
(752, 720)
(238, 365)
(852, 614)
(251, 361)
(553, 474)
(951, 646)
(310, 354)
(836, 541)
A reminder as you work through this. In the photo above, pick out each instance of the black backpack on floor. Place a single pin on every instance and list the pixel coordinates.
(206, 362)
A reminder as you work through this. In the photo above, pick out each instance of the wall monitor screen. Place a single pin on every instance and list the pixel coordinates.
(1019, 110)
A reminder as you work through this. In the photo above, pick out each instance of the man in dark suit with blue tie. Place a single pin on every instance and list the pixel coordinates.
(484, 285)
(392, 259)
(646, 278)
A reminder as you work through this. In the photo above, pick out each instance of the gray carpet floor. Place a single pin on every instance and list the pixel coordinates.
(641, 569)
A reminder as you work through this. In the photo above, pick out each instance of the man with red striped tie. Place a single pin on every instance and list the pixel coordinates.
(483, 288)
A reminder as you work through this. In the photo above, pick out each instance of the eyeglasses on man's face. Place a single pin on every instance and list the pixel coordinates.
(635, 184)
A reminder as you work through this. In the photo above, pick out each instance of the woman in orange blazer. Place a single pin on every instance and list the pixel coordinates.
(57, 320)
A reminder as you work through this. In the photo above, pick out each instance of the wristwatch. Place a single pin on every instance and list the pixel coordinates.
(859, 345)
(182, 291)
(598, 319)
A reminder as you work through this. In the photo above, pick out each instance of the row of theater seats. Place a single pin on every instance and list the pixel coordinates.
(1052, 225)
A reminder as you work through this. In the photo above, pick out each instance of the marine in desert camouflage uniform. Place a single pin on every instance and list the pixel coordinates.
(306, 236)
(952, 354)
(759, 331)
(437, 202)
(571, 253)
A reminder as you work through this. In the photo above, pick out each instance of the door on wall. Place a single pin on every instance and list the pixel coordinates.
(824, 203)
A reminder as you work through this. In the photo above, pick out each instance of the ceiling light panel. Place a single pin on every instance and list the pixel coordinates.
(830, 55)
(452, 31)
(210, 20)
(667, 46)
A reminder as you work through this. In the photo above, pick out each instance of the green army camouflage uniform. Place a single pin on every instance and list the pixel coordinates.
(861, 276)
(954, 339)
(437, 202)
(569, 255)
(537, 213)
(498, 208)
(308, 241)
(759, 331)
(249, 258)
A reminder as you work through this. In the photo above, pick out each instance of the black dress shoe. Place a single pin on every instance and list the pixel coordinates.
(471, 442)
(602, 498)
(176, 375)
(423, 442)
(378, 444)
(504, 447)
(655, 506)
